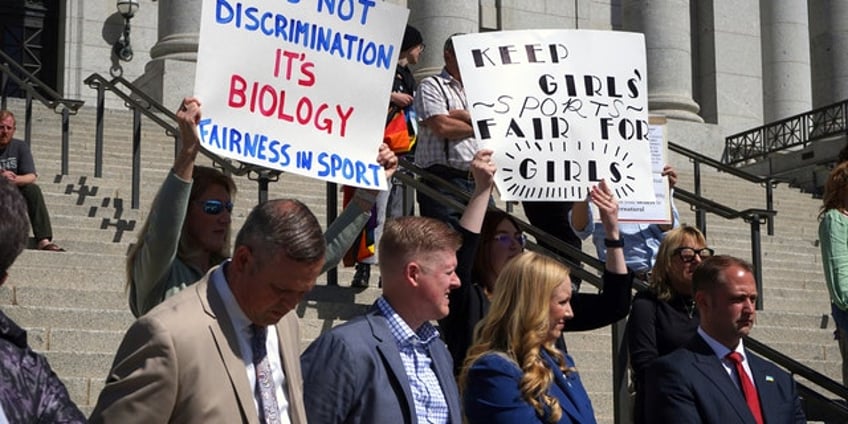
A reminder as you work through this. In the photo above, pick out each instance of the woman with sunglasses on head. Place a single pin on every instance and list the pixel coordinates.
(663, 317)
(187, 230)
(492, 239)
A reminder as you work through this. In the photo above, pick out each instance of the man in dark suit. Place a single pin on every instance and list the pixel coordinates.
(227, 348)
(714, 379)
(390, 366)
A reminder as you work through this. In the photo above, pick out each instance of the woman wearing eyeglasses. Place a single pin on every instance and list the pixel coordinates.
(187, 231)
(492, 239)
(663, 317)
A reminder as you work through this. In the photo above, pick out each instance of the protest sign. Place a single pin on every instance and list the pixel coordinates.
(562, 109)
(300, 86)
(659, 210)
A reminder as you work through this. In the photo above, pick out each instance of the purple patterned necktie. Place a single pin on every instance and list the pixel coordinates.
(268, 411)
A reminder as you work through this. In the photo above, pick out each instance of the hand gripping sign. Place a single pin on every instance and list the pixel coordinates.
(299, 85)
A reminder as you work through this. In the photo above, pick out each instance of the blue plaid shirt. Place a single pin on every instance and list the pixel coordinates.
(414, 347)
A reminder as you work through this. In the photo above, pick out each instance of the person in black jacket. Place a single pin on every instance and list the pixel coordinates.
(30, 391)
(493, 238)
(663, 317)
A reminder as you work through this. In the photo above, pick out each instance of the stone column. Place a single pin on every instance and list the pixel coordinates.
(437, 20)
(786, 59)
(667, 29)
(170, 72)
(829, 24)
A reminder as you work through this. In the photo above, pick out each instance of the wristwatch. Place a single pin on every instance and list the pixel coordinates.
(613, 243)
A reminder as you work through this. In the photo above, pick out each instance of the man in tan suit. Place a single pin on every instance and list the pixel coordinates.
(195, 358)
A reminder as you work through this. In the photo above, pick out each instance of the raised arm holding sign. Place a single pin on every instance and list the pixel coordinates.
(301, 86)
(562, 109)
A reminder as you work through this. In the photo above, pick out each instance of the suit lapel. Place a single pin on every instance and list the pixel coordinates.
(289, 342)
(767, 388)
(226, 345)
(444, 372)
(706, 361)
(567, 397)
(390, 354)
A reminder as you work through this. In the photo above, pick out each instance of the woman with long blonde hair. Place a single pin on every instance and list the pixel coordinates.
(514, 373)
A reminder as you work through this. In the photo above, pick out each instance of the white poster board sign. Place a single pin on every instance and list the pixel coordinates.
(659, 210)
(562, 109)
(300, 86)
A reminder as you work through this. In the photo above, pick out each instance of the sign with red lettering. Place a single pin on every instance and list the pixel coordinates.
(562, 109)
(300, 86)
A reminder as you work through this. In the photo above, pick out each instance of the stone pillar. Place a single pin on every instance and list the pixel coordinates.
(667, 29)
(437, 20)
(174, 57)
(829, 22)
(786, 59)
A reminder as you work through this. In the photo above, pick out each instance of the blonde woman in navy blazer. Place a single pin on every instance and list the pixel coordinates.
(514, 373)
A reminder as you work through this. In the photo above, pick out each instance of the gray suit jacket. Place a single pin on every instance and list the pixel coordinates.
(354, 374)
(690, 385)
(180, 363)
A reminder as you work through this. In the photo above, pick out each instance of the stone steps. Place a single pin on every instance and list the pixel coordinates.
(74, 304)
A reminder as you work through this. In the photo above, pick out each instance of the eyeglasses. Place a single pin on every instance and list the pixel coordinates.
(506, 240)
(687, 254)
(215, 207)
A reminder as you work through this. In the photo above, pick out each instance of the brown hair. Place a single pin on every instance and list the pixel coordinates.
(409, 236)
(710, 274)
(5, 113)
(835, 189)
(482, 269)
(283, 226)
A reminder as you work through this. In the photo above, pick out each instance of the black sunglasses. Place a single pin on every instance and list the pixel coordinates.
(687, 254)
(214, 207)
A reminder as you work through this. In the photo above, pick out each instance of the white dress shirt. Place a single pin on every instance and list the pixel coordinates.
(244, 335)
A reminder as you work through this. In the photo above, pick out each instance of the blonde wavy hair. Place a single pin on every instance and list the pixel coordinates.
(835, 189)
(518, 324)
(660, 281)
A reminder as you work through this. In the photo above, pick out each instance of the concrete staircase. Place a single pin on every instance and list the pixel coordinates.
(74, 305)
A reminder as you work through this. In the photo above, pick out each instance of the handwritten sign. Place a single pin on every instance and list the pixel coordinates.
(299, 85)
(562, 109)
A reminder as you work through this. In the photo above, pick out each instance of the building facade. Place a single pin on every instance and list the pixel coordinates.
(715, 67)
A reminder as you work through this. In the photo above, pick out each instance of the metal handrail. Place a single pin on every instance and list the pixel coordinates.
(754, 217)
(697, 159)
(565, 252)
(835, 409)
(33, 89)
(797, 130)
(140, 103)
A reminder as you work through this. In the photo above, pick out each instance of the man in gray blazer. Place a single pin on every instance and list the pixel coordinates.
(390, 366)
(198, 357)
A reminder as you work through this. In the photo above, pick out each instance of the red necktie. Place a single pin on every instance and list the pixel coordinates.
(748, 389)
